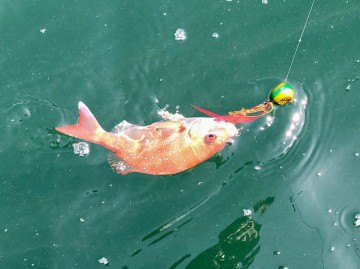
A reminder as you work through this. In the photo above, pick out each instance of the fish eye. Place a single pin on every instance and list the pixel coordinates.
(209, 138)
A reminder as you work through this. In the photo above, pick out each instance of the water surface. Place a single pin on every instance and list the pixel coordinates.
(297, 170)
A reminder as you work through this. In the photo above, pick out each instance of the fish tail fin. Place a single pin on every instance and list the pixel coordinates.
(87, 129)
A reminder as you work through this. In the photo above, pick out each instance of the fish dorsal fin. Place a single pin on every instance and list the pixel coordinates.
(119, 166)
(122, 126)
(135, 132)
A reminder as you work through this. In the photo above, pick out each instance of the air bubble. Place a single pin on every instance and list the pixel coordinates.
(257, 168)
(81, 148)
(247, 212)
(104, 261)
(180, 34)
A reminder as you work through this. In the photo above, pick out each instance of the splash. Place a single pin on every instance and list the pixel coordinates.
(357, 220)
(166, 115)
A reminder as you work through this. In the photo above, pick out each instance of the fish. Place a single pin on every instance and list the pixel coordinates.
(166, 147)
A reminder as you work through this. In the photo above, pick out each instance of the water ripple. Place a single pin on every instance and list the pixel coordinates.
(27, 128)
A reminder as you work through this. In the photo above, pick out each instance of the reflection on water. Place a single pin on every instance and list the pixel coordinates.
(237, 247)
(238, 243)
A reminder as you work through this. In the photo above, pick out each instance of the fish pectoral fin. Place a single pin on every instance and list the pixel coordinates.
(118, 165)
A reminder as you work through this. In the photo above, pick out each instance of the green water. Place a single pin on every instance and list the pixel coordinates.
(297, 170)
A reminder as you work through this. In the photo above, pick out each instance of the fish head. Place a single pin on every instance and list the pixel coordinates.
(212, 133)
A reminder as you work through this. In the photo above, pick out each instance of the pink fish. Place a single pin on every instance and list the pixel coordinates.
(162, 148)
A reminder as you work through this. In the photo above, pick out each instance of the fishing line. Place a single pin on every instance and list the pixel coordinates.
(298, 44)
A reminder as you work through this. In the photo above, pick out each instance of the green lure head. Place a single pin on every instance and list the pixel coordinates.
(282, 94)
